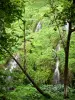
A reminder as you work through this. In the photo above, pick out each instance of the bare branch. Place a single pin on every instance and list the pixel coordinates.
(24, 23)
(27, 75)
(24, 46)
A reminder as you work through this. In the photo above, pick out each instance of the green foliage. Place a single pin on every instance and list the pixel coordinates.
(3, 83)
(40, 46)
(29, 93)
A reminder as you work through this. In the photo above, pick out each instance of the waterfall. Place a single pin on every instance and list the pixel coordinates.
(57, 73)
(65, 27)
(38, 26)
(12, 64)
(56, 76)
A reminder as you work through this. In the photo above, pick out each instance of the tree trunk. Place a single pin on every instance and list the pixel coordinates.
(24, 23)
(66, 62)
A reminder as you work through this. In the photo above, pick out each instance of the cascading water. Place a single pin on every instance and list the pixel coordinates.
(57, 73)
(38, 26)
(56, 77)
(65, 27)
(12, 64)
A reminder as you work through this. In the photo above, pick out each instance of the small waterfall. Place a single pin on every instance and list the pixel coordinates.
(58, 47)
(66, 27)
(12, 64)
(38, 26)
(57, 73)
(56, 77)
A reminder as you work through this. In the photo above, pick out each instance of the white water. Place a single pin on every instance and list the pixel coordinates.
(67, 26)
(12, 64)
(57, 64)
(56, 72)
(38, 27)
(58, 47)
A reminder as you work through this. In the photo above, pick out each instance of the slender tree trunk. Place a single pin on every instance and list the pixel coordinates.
(24, 23)
(24, 45)
(66, 62)
(67, 53)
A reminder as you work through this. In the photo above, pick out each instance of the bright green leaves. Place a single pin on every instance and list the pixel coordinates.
(72, 53)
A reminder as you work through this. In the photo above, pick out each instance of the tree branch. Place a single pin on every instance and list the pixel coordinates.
(27, 75)
(24, 23)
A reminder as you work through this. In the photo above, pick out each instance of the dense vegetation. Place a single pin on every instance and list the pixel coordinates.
(36, 37)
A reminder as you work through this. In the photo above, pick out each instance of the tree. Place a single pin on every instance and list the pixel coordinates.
(3, 47)
(67, 14)
(70, 30)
